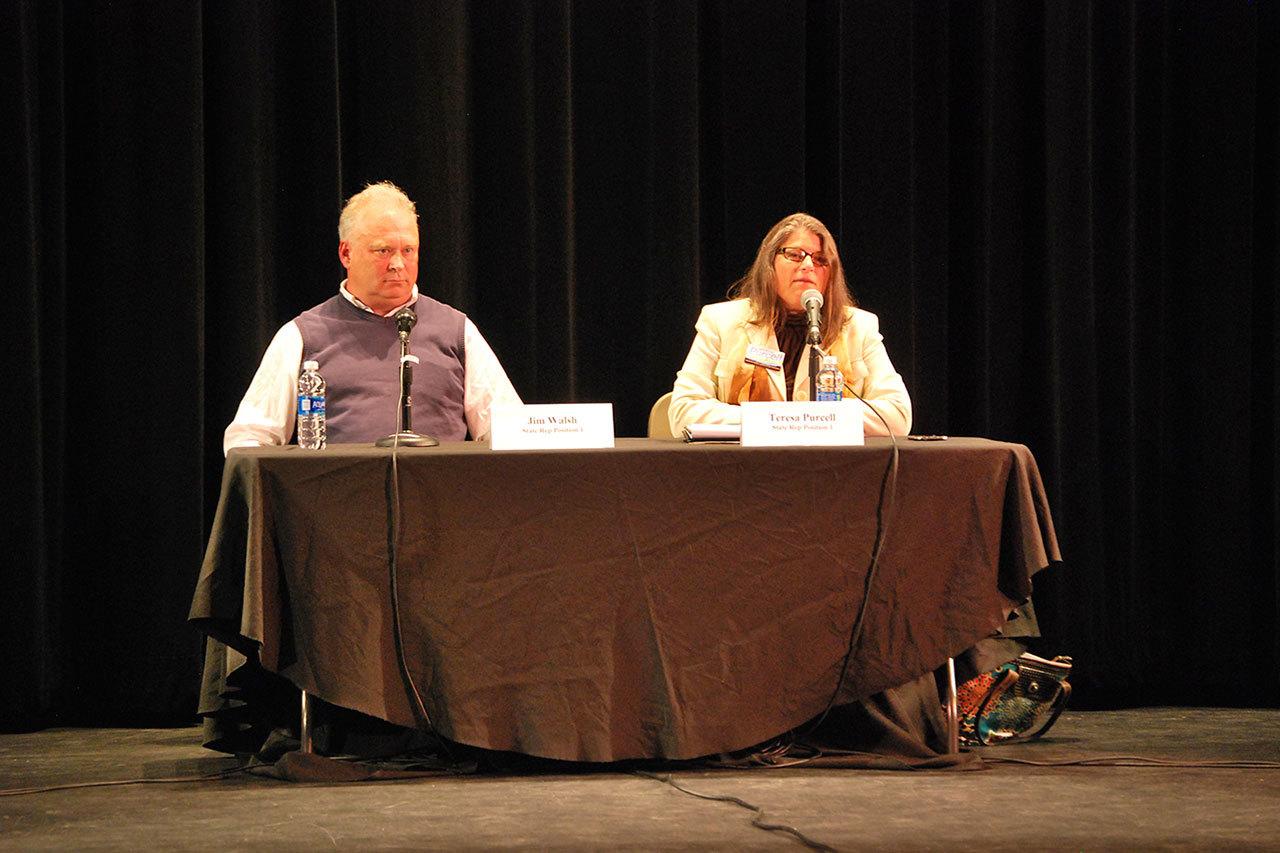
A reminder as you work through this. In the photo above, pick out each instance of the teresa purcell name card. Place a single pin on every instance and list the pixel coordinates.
(775, 424)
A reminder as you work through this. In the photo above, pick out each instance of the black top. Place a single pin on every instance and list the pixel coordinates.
(792, 331)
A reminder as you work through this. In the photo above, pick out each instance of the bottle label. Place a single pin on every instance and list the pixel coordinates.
(309, 405)
(829, 396)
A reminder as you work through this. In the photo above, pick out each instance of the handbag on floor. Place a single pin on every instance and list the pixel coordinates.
(1018, 700)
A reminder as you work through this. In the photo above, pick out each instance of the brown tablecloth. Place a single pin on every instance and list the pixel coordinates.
(655, 600)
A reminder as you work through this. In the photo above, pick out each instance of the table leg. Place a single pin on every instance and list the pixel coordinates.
(304, 734)
(953, 710)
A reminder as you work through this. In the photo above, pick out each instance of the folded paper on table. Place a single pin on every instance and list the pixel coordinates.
(713, 432)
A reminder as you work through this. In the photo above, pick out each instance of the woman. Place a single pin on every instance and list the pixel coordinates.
(797, 254)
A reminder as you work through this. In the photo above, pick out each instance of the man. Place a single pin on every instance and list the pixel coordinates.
(353, 337)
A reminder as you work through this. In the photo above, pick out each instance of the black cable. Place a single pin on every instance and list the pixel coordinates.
(782, 751)
(881, 760)
(393, 538)
(855, 632)
(1135, 761)
(758, 821)
(210, 777)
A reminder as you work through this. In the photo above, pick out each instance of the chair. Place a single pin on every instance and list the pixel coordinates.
(659, 425)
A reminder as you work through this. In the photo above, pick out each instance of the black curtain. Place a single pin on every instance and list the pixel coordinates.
(1064, 213)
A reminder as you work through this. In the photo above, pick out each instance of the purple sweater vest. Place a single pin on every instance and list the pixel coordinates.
(359, 356)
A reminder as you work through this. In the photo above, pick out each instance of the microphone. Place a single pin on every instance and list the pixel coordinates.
(404, 436)
(405, 320)
(812, 300)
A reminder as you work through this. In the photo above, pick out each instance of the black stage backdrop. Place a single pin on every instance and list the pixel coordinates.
(1065, 214)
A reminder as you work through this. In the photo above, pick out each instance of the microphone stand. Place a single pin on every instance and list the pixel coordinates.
(815, 359)
(404, 436)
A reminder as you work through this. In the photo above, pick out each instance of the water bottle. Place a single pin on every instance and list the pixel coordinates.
(311, 390)
(830, 380)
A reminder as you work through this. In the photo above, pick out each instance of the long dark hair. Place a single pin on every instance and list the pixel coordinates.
(759, 288)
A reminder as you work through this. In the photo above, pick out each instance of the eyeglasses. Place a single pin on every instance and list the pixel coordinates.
(797, 256)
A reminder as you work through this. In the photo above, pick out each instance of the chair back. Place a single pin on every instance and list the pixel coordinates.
(659, 425)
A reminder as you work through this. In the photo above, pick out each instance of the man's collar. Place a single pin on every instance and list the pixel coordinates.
(347, 295)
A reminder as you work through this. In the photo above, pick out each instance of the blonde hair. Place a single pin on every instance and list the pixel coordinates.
(384, 194)
(758, 286)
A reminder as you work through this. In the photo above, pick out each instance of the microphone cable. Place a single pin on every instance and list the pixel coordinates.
(888, 489)
(393, 538)
(759, 821)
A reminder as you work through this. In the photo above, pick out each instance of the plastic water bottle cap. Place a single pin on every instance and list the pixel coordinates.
(310, 365)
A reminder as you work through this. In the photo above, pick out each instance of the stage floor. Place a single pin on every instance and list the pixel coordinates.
(1010, 806)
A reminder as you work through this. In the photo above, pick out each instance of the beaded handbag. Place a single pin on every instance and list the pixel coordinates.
(1018, 700)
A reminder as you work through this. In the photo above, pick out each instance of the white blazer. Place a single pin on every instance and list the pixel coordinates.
(724, 331)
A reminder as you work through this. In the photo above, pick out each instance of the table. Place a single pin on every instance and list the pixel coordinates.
(653, 600)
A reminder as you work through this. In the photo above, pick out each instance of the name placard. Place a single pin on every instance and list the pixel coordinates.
(551, 426)
(834, 424)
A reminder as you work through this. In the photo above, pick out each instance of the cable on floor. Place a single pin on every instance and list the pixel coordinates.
(210, 777)
(758, 821)
(1135, 761)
